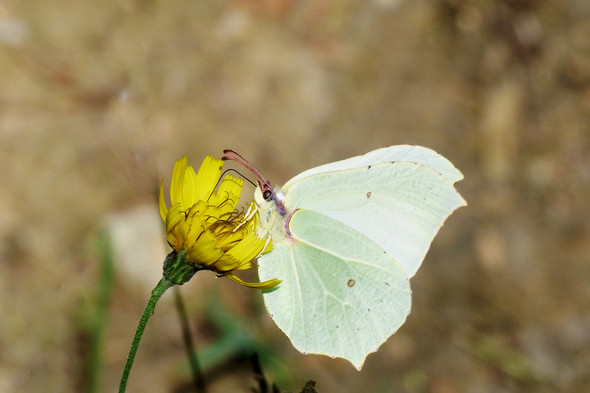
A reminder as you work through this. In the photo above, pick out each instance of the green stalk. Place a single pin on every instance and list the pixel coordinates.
(176, 272)
(157, 293)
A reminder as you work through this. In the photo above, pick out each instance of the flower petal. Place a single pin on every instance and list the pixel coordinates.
(196, 223)
(175, 223)
(189, 187)
(204, 252)
(162, 203)
(226, 263)
(261, 285)
(207, 178)
(228, 194)
(246, 250)
(176, 184)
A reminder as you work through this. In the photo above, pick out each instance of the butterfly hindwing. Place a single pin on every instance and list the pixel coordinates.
(344, 297)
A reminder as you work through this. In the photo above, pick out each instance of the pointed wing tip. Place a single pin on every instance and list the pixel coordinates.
(357, 363)
(358, 366)
(464, 203)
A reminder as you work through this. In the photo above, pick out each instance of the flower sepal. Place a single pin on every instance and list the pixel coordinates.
(176, 268)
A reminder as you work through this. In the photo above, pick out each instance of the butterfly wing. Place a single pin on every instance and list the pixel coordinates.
(400, 153)
(399, 205)
(341, 294)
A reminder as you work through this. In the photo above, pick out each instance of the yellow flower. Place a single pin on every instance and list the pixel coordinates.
(205, 224)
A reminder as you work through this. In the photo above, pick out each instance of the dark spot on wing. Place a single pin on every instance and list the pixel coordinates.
(369, 167)
(369, 194)
(351, 283)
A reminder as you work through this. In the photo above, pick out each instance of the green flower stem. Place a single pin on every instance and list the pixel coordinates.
(157, 293)
(176, 272)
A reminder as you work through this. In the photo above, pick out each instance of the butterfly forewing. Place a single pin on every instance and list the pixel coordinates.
(400, 153)
(399, 205)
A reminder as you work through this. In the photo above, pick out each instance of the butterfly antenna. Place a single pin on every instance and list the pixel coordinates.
(235, 171)
(245, 163)
(223, 176)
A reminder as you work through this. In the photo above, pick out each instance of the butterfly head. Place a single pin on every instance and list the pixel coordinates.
(267, 198)
(266, 192)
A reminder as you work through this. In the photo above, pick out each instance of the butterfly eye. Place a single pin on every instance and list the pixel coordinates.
(266, 194)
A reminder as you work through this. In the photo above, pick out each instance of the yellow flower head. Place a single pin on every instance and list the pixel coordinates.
(205, 224)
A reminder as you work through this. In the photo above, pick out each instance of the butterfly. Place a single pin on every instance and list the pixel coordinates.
(346, 239)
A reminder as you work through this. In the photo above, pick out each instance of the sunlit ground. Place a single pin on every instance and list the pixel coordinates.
(98, 99)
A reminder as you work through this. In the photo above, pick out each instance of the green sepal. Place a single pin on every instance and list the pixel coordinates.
(177, 270)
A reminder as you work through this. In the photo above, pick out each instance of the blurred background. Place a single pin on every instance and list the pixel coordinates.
(98, 99)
